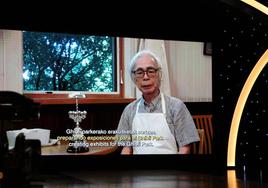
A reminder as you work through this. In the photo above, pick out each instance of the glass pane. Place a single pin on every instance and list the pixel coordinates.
(68, 62)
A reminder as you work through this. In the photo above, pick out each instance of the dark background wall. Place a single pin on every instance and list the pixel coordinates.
(242, 41)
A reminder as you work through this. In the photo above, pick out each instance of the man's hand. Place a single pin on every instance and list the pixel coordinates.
(184, 149)
(127, 151)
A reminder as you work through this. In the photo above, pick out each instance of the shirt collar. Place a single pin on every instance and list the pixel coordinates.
(154, 102)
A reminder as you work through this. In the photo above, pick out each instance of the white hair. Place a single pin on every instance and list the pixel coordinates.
(141, 54)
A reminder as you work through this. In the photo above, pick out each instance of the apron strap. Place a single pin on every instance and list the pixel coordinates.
(163, 104)
(138, 106)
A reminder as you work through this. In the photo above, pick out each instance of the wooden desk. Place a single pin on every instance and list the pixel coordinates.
(60, 149)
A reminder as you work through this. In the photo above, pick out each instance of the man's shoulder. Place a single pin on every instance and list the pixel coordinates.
(173, 100)
(132, 105)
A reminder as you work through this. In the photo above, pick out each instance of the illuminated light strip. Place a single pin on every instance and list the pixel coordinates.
(231, 179)
(240, 107)
(257, 5)
(244, 94)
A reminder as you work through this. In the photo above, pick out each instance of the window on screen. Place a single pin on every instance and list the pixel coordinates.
(68, 62)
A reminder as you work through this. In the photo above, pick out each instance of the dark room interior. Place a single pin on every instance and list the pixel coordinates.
(238, 33)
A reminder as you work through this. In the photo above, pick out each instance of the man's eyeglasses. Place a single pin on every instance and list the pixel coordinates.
(151, 72)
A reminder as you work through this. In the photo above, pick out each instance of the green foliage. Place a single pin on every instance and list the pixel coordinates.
(67, 62)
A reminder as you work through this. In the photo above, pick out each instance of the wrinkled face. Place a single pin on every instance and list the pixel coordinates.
(146, 75)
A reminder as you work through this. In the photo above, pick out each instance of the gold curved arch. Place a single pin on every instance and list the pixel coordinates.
(244, 93)
(240, 107)
(257, 5)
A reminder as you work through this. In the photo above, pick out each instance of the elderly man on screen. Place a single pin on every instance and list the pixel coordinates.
(158, 124)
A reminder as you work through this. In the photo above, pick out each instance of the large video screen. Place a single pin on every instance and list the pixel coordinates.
(152, 104)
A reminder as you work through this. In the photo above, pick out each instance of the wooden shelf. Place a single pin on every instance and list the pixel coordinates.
(44, 99)
(49, 101)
